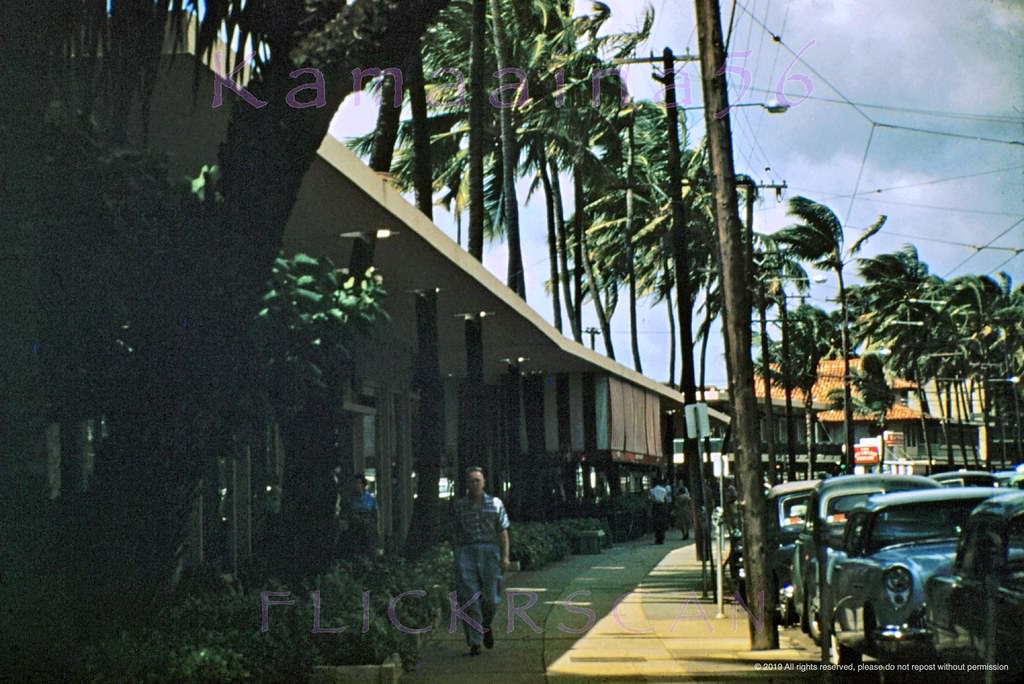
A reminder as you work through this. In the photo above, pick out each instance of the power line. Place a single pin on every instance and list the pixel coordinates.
(1008, 260)
(983, 212)
(981, 118)
(950, 134)
(934, 181)
(975, 253)
(778, 39)
(952, 242)
(860, 173)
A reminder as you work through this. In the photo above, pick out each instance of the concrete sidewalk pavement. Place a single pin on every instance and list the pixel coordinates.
(632, 613)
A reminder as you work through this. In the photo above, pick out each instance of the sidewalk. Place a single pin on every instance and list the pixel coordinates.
(647, 623)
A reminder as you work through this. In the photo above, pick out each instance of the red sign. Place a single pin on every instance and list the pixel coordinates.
(865, 455)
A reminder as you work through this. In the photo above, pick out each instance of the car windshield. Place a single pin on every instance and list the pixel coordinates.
(840, 506)
(918, 522)
(793, 509)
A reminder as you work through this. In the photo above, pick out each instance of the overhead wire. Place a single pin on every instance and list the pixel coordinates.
(1008, 260)
(982, 118)
(985, 246)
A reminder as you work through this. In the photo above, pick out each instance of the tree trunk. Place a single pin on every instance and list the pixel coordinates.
(571, 310)
(593, 286)
(959, 402)
(736, 301)
(630, 266)
(947, 412)
(769, 414)
(922, 398)
(809, 429)
(385, 135)
(423, 180)
(684, 294)
(510, 158)
(844, 332)
(549, 210)
(670, 304)
(787, 383)
(705, 336)
(425, 530)
(477, 114)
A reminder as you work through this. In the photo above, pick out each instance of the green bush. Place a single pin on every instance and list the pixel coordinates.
(214, 634)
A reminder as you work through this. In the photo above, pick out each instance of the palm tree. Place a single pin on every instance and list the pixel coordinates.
(775, 268)
(810, 330)
(170, 433)
(891, 310)
(818, 239)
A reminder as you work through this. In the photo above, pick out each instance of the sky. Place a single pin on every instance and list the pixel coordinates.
(913, 110)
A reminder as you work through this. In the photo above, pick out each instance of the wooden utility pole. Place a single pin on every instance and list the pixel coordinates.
(736, 302)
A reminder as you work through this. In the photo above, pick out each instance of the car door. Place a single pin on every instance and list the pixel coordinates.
(850, 580)
(968, 600)
(1009, 599)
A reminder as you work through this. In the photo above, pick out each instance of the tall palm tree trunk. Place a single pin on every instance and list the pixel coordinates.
(769, 415)
(630, 266)
(563, 253)
(592, 284)
(787, 384)
(423, 177)
(672, 353)
(509, 157)
(477, 110)
(549, 211)
(385, 135)
(946, 413)
(961, 405)
(809, 433)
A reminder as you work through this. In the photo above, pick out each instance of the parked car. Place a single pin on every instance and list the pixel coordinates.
(831, 501)
(976, 611)
(787, 506)
(966, 478)
(893, 544)
(1010, 478)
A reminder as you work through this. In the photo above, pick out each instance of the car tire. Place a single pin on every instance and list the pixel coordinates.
(813, 622)
(842, 655)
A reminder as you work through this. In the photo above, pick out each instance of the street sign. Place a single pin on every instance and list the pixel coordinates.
(866, 454)
(894, 439)
(698, 424)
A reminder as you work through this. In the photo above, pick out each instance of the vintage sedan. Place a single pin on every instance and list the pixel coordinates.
(966, 478)
(787, 506)
(831, 501)
(976, 611)
(893, 544)
(788, 503)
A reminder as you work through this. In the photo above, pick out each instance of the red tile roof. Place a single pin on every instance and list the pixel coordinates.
(830, 377)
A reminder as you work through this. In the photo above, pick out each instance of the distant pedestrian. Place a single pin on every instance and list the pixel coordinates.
(480, 538)
(683, 514)
(660, 496)
(356, 511)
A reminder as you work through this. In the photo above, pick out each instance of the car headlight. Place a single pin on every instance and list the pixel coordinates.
(898, 579)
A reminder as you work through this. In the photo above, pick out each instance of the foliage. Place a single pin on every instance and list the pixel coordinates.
(213, 635)
(310, 314)
(536, 544)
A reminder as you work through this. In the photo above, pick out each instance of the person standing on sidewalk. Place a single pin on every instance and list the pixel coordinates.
(661, 497)
(480, 537)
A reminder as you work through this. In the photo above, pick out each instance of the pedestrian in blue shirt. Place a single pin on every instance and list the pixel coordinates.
(480, 538)
(357, 518)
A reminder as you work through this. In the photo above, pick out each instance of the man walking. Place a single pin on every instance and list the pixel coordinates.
(661, 497)
(480, 537)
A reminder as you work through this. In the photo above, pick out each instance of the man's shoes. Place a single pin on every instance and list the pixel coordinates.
(474, 650)
(488, 638)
